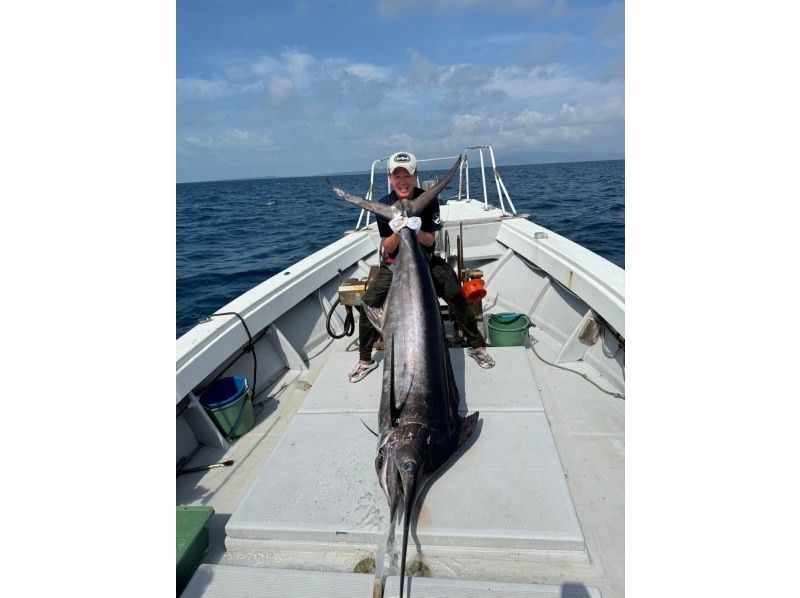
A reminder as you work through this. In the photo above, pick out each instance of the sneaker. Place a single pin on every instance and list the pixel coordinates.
(482, 357)
(360, 371)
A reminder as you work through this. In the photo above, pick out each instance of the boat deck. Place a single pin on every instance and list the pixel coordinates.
(225, 581)
(536, 498)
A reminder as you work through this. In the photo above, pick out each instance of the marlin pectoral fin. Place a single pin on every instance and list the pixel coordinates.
(375, 316)
(374, 433)
(467, 427)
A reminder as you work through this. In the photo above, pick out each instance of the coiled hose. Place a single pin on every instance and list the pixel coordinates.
(349, 321)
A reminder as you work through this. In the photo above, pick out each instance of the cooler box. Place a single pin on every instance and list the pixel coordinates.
(192, 536)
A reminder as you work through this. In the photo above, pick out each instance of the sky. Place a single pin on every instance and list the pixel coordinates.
(307, 88)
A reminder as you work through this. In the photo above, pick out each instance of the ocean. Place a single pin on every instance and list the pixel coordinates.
(233, 235)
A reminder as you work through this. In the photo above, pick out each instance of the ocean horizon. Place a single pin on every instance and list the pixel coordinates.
(366, 172)
(233, 234)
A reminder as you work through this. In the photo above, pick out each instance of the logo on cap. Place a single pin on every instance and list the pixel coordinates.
(402, 160)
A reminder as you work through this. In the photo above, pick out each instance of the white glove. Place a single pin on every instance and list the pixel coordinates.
(397, 223)
(414, 223)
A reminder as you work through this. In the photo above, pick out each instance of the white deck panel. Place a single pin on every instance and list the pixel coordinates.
(332, 393)
(509, 386)
(481, 500)
(223, 581)
(425, 587)
(319, 485)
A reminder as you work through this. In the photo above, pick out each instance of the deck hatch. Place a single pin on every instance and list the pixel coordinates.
(506, 491)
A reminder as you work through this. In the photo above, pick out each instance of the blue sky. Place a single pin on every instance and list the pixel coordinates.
(303, 88)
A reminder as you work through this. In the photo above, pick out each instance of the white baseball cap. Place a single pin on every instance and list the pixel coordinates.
(402, 160)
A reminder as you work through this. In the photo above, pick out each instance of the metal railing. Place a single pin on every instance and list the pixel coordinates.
(463, 181)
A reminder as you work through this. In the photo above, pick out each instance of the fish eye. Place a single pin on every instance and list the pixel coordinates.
(409, 465)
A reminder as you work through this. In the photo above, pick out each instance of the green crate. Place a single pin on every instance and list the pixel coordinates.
(192, 536)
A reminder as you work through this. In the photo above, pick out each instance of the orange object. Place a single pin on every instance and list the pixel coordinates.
(474, 290)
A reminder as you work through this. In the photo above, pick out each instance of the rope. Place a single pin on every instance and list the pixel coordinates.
(584, 376)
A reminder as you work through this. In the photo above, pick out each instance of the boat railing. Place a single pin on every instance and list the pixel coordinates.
(463, 181)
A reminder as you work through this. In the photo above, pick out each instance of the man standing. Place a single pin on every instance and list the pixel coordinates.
(402, 170)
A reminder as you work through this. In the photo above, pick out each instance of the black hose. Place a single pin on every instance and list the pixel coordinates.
(349, 321)
(249, 349)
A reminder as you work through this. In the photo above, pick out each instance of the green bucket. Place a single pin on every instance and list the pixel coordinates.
(508, 329)
(229, 403)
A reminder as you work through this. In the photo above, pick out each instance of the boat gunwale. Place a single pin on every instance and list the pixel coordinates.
(592, 278)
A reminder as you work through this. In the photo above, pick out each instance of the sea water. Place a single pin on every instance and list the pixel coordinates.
(233, 235)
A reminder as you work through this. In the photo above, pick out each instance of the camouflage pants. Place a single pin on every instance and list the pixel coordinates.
(446, 284)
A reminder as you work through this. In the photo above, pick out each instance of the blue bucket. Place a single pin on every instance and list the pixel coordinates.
(228, 402)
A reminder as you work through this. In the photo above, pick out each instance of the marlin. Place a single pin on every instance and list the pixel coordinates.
(419, 424)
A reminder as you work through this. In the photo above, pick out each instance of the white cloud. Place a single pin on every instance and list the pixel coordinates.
(357, 111)
(391, 8)
(297, 62)
(290, 62)
(202, 89)
(299, 67)
(369, 72)
(467, 88)
(551, 82)
(262, 66)
(289, 74)
(194, 89)
(280, 88)
(504, 39)
(566, 125)
(530, 118)
(229, 139)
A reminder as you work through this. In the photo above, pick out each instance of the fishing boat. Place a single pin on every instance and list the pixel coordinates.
(276, 488)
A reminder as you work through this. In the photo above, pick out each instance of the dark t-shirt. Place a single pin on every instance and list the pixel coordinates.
(431, 222)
